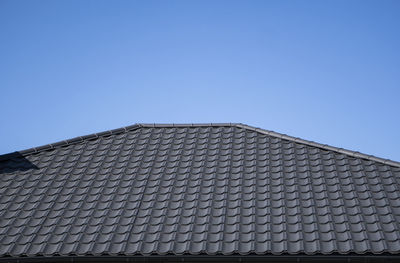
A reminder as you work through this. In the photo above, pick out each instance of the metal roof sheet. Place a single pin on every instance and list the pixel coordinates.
(197, 189)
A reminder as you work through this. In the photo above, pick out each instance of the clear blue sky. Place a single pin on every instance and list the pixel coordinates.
(327, 71)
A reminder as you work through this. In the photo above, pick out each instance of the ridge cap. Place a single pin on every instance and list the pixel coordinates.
(136, 126)
(71, 141)
(91, 136)
(320, 145)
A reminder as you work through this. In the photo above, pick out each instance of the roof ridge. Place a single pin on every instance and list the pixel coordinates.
(75, 140)
(173, 125)
(321, 146)
(91, 136)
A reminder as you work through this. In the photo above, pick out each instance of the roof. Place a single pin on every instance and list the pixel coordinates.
(196, 189)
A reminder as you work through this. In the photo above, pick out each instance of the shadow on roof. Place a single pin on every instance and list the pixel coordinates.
(15, 162)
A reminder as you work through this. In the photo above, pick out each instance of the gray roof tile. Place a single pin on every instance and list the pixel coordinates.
(196, 189)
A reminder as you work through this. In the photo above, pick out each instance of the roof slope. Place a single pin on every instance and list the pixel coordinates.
(196, 189)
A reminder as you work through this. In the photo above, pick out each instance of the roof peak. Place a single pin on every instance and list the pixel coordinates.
(174, 125)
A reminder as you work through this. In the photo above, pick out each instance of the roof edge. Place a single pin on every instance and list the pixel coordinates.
(321, 146)
(136, 126)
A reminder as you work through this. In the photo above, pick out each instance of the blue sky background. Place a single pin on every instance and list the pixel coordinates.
(327, 71)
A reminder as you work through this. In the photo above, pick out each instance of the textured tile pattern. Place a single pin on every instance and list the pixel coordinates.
(196, 190)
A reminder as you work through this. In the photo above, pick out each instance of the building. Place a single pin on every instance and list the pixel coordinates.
(197, 193)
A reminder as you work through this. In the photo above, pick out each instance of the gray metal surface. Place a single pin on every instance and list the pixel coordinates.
(196, 189)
